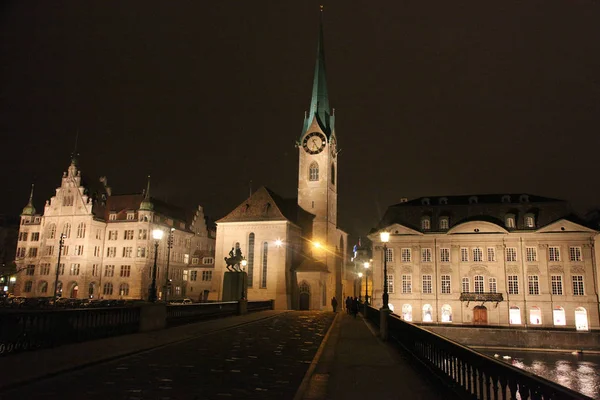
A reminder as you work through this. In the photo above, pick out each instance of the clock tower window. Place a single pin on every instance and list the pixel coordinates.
(332, 174)
(313, 172)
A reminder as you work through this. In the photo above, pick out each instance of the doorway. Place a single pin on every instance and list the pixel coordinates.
(304, 296)
(480, 315)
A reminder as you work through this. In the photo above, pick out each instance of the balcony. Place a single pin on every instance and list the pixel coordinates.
(483, 297)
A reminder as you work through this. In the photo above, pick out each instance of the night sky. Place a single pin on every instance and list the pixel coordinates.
(431, 97)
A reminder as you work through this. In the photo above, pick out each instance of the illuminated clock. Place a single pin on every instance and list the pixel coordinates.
(314, 143)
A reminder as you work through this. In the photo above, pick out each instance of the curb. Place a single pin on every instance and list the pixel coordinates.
(313, 365)
(14, 385)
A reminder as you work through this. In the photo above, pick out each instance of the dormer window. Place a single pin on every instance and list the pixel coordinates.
(509, 221)
(425, 223)
(130, 216)
(112, 216)
(529, 221)
(506, 198)
(443, 201)
(473, 200)
(444, 223)
(425, 201)
(524, 198)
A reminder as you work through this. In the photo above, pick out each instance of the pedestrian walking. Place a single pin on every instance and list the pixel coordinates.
(334, 303)
(348, 305)
(354, 307)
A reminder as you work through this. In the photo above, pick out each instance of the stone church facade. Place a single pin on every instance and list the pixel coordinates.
(513, 260)
(294, 248)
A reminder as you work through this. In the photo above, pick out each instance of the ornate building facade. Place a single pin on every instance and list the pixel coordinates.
(511, 260)
(294, 248)
(107, 248)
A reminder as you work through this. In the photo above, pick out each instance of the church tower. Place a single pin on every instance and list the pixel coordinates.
(317, 169)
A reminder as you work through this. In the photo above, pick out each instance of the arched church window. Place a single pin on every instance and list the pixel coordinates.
(81, 230)
(67, 230)
(263, 278)
(251, 239)
(332, 174)
(51, 231)
(313, 172)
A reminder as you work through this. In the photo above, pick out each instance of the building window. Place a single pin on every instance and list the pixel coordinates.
(67, 230)
(79, 250)
(445, 284)
(74, 269)
(186, 258)
(45, 269)
(446, 313)
(109, 270)
(444, 255)
(21, 251)
(444, 223)
(23, 236)
(124, 288)
(251, 239)
(142, 234)
(207, 276)
(81, 230)
(128, 234)
(511, 254)
(108, 289)
(574, 253)
(61, 269)
(51, 231)
(553, 253)
(195, 260)
(49, 250)
(514, 315)
(390, 282)
(65, 250)
(141, 252)
(529, 221)
(533, 283)
(95, 269)
(466, 287)
(531, 254)
(478, 284)
(510, 221)
(43, 287)
(493, 285)
(313, 172)
(193, 275)
(406, 256)
(35, 236)
(127, 252)
(464, 254)
(425, 255)
(513, 284)
(112, 235)
(332, 174)
(491, 254)
(208, 260)
(28, 286)
(96, 251)
(406, 284)
(557, 285)
(33, 252)
(578, 285)
(427, 313)
(425, 223)
(125, 271)
(389, 255)
(427, 286)
(30, 270)
(558, 315)
(263, 280)
(130, 216)
(477, 255)
(112, 216)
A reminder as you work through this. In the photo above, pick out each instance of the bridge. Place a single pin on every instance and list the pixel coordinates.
(244, 350)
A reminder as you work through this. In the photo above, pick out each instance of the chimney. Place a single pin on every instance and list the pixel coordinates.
(403, 199)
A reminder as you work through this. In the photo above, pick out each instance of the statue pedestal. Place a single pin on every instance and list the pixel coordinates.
(234, 284)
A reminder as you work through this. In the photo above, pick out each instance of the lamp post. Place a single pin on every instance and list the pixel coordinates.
(360, 275)
(61, 243)
(157, 235)
(243, 264)
(366, 265)
(167, 280)
(385, 238)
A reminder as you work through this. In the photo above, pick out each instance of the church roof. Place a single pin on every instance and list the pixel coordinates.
(319, 103)
(266, 205)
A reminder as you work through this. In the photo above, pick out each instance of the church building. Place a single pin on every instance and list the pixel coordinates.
(294, 250)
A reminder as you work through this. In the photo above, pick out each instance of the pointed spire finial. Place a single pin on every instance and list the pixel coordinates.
(75, 154)
(146, 204)
(29, 209)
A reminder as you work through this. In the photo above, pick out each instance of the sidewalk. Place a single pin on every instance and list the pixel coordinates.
(356, 364)
(26, 367)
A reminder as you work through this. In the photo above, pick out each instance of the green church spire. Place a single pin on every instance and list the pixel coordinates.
(29, 209)
(146, 204)
(319, 103)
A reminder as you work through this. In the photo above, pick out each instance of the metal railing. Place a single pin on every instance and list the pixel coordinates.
(260, 305)
(471, 374)
(189, 313)
(29, 330)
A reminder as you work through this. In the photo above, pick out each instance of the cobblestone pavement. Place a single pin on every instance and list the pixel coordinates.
(262, 360)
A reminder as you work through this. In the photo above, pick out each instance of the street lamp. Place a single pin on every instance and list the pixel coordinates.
(157, 235)
(360, 275)
(61, 243)
(366, 265)
(243, 264)
(167, 280)
(385, 238)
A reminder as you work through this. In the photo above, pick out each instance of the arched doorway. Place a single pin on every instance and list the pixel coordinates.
(480, 315)
(514, 315)
(74, 288)
(92, 290)
(446, 313)
(304, 296)
(427, 313)
(581, 321)
(407, 312)
(535, 316)
(558, 314)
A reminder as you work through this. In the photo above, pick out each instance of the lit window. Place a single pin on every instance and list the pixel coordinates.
(427, 286)
(389, 255)
(478, 284)
(425, 223)
(406, 255)
(390, 282)
(141, 252)
(529, 221)
(112, 217)
(130, 216)
(142, 234)
(510, 221)
(445, 284)
(124, 289)
(406, 283)
(263, 280)
(74, 269)
(444, 223)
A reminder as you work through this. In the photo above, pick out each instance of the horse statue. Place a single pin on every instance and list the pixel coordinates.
(234, 260)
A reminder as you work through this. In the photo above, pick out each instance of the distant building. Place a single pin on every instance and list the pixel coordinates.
(9, 231)
(295, 251)
(513, 260)
(108, 249)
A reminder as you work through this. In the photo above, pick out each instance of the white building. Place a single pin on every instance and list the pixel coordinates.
(294, 249)
(108, 249)
(512, 260)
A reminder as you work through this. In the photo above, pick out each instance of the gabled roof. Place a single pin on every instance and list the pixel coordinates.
(567, 224)
(506, 198)
(266, 205)
(121, 203)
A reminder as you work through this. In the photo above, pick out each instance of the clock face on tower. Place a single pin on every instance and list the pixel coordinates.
(314, 143)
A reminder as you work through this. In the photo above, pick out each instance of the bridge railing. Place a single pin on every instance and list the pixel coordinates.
(30, 330)
(470, 373)
(189, 313)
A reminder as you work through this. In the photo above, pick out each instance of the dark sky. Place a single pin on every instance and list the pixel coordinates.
(431, 97)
